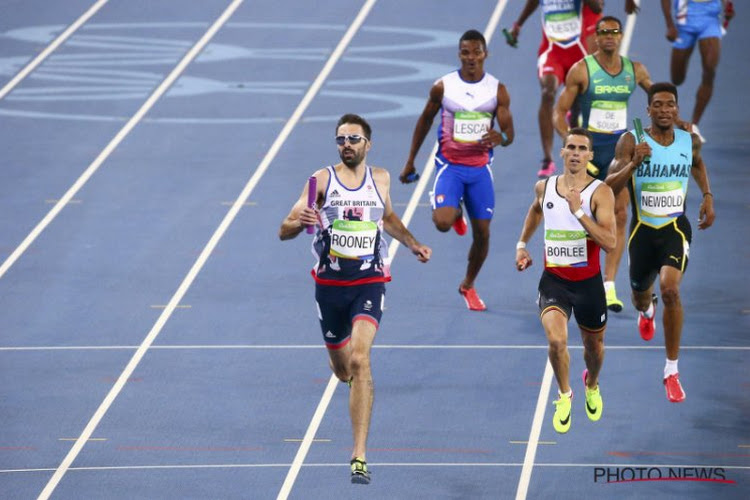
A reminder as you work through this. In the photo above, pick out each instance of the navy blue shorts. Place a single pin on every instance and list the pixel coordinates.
(340, 306)
(472, 184)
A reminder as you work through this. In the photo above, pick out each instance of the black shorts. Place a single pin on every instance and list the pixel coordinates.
(340, 306)
(584, 298)
(650, 249)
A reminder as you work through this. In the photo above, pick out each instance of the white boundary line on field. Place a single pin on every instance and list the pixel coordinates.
(61, 38)
(138, 355)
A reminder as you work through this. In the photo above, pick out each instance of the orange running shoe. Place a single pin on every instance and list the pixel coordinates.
(675, 393)
(473, 302)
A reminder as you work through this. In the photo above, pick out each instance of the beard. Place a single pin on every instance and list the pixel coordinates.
(350, 160)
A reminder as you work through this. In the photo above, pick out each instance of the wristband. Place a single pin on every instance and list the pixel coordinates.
(708, 194)
(579, 213)
(520, 245)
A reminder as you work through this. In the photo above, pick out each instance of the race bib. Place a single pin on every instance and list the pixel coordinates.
(353, 239)
(608, 117)
(662, 199)
(562, 26)
(470, 126)
(565, 248)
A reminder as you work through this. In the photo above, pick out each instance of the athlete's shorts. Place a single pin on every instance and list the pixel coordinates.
(472, 184)
(340, 306)
(603, 156)
(697, 29)
(585, 298)
(589, 21)
(556, 60)
(650, 249)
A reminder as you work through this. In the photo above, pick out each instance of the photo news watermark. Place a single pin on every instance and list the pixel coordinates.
(613, 475)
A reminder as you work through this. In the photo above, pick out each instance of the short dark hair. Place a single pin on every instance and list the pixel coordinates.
(661, 87)
(580, 131)
(473, 35)
(608, 18)
(356, 120)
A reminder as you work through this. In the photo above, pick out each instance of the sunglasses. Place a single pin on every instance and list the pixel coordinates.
(353, 139)
(605, 32)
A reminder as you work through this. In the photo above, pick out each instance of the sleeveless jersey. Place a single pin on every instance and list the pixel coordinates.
(568, 251)
(562, 21)
(687, 11)
(467, 113)
(658, 188)
(604, 105)
(349, 245)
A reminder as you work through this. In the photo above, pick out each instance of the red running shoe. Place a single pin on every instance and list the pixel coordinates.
(460, 226)
(674, 389)
(473, 302)
(646, 326)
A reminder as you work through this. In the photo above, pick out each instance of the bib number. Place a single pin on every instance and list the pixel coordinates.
(662, 199)
(562, 26)
(608, 117)
(565, 248)
(470, 126)
(353, 239)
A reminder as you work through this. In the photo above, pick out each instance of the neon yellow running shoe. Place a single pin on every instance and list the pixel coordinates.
(360, 474)
(594, 403)
(613, 303)
(561, 418)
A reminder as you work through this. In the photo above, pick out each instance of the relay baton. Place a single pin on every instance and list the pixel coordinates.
(312, 196)
(412, 177)
(640, 136)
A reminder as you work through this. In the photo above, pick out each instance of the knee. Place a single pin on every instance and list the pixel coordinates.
(558, 345)
(670, 295)
(359, 364)
(548, 95)
(621, 216)
(441, 223)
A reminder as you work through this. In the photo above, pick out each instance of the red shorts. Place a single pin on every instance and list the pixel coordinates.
(556, 60)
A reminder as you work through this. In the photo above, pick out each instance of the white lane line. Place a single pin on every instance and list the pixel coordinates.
(299, 458)
(536, 429)
(128, 371)
(528, 464)
(260, 347)
(379, 464)
(51, 48)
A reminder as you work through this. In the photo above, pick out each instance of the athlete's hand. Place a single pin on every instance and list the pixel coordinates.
(423, 252)
(523, 259)
(309, 216)
(573, 197)
(406, 172)
(706, 213)
(642, 150)
(491, 139)
(631, 7)
(671, 33)
(515, 30)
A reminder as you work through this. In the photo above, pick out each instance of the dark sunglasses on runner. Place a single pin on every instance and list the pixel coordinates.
(605, 32)
(353, 139)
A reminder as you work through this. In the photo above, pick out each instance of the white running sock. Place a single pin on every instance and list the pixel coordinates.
(649, 313)
(567, 394)
(608, 285)
(670, 368)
